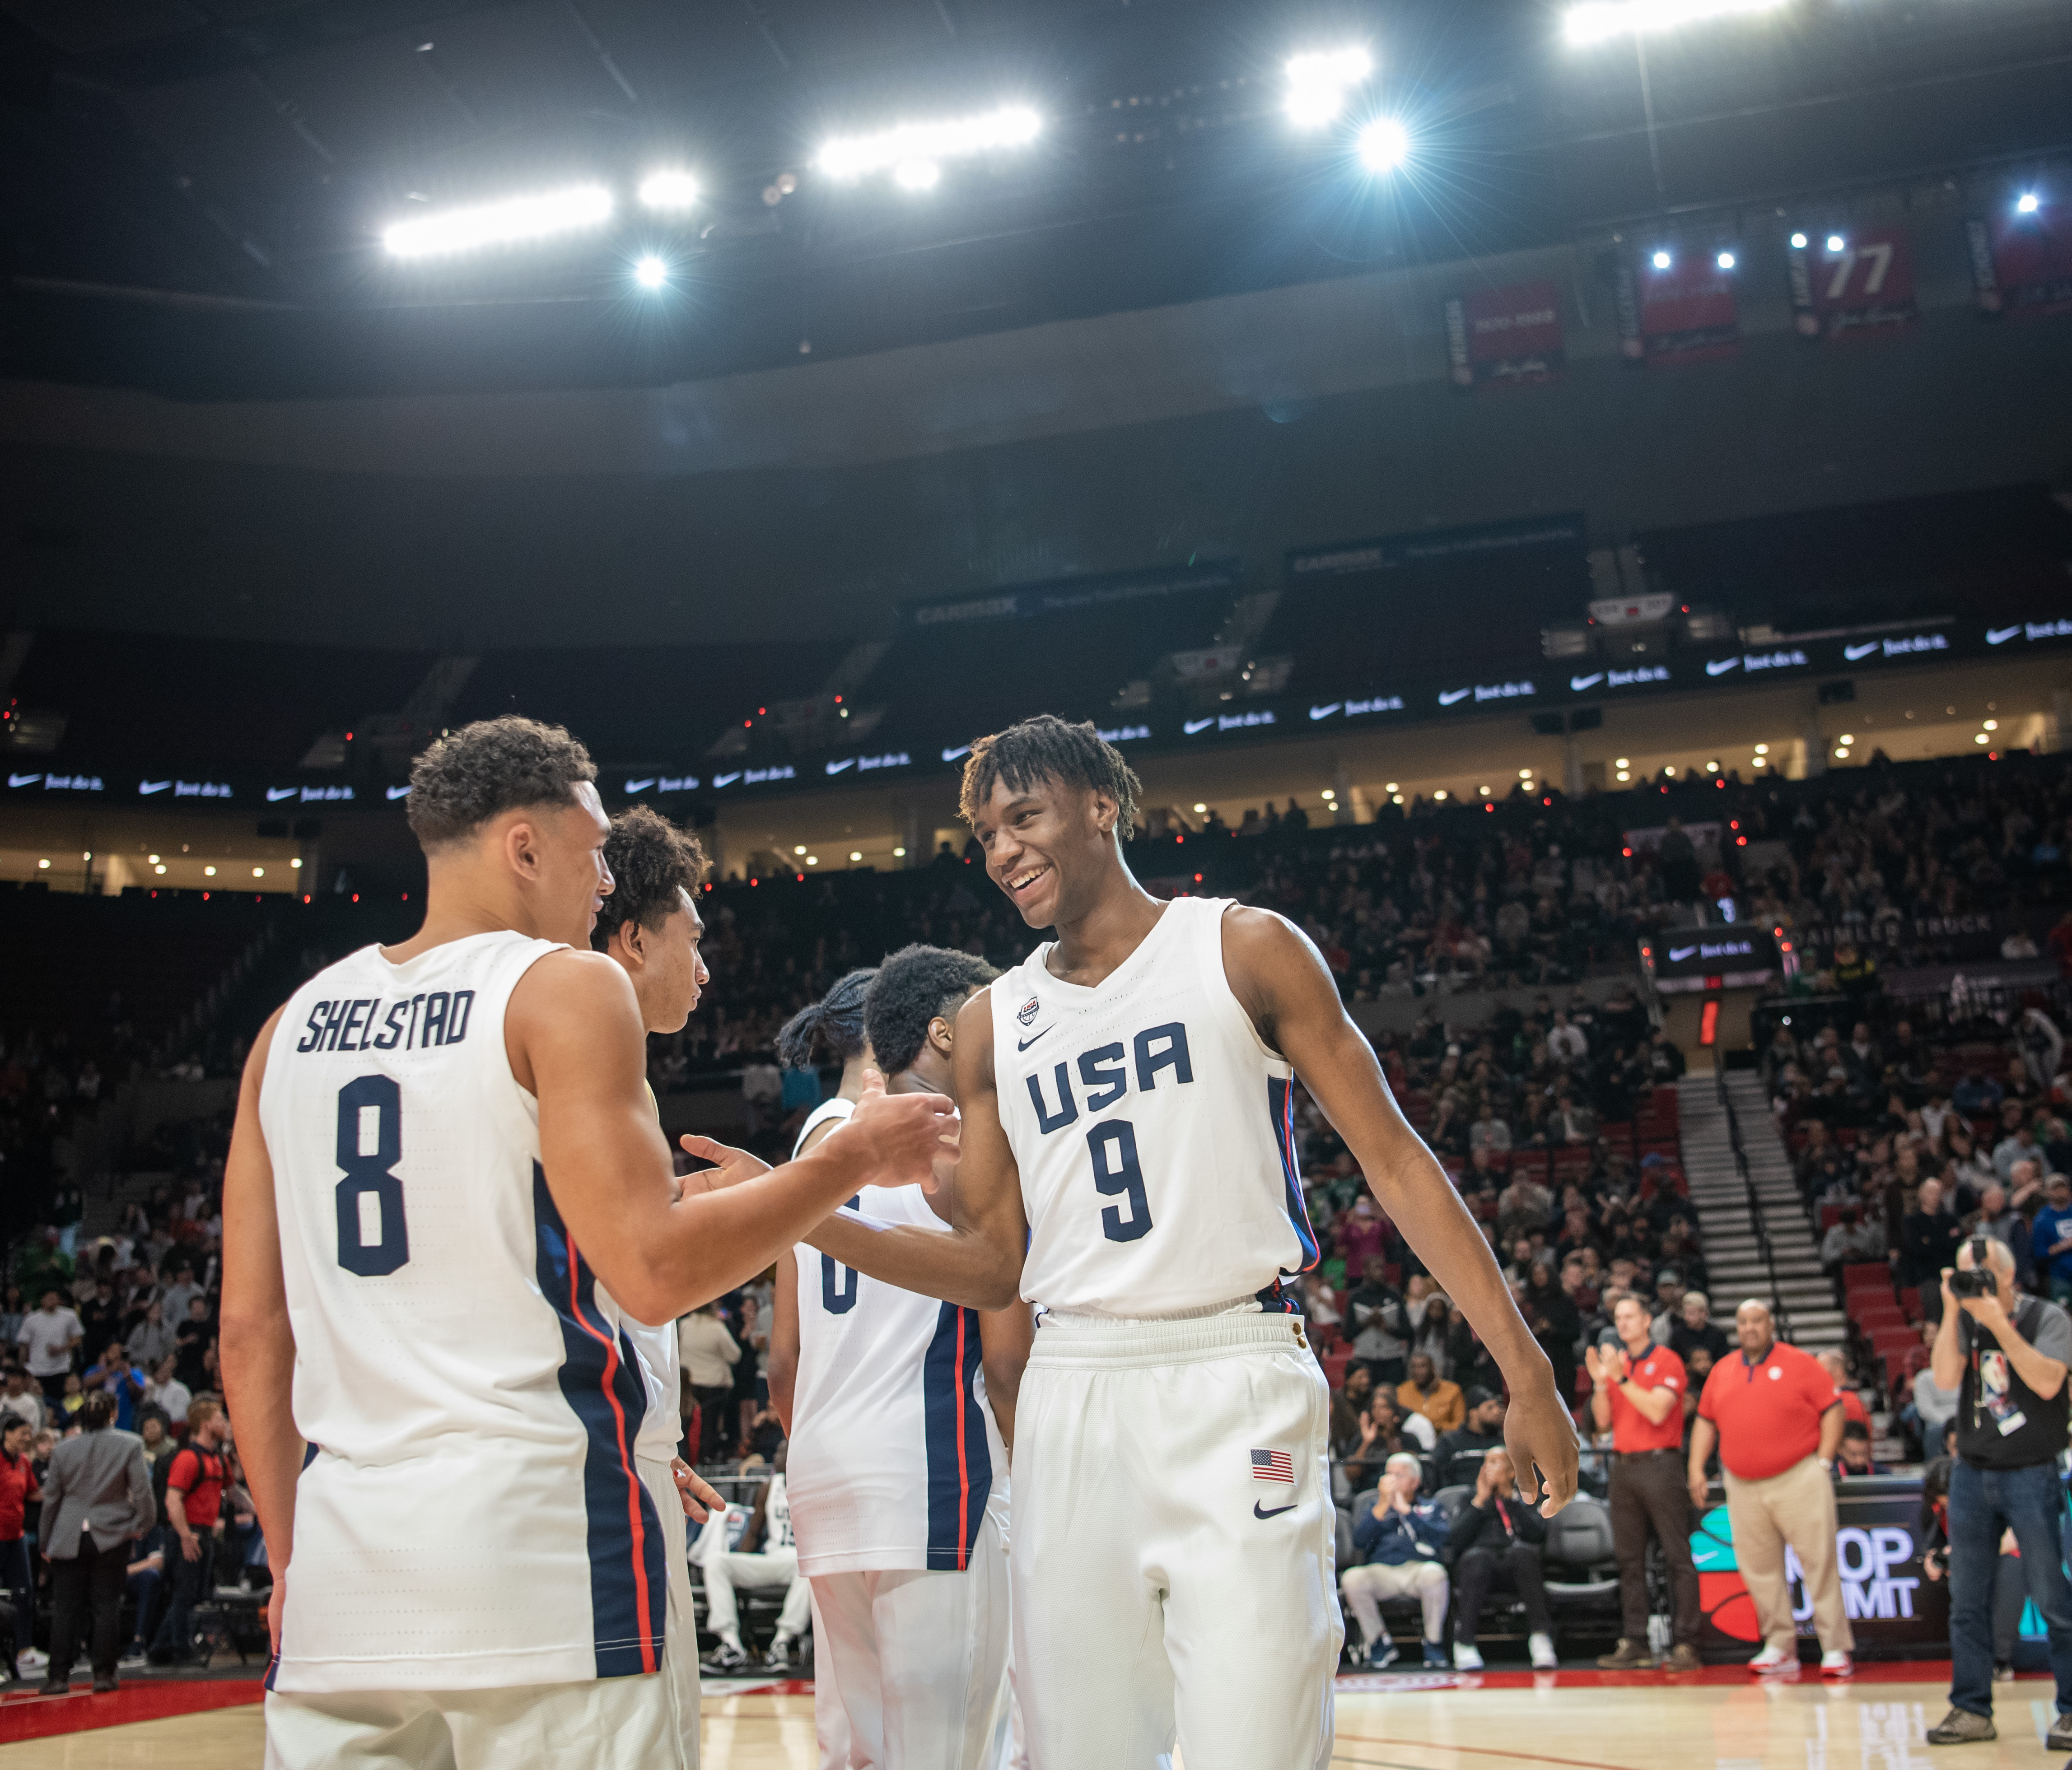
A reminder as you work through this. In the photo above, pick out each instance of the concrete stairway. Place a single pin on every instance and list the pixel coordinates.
(1733, 1257)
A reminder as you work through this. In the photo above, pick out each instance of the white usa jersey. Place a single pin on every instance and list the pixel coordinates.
(470, 1516)
(1154, 1131)
(895, 1452)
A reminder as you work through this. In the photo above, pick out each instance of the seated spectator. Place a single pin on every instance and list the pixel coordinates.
(1855, 1453)
(1427, 1393)
(1384, 1430)
(1496, 1543)
(1401, 1544)
(767, 1557)
(1348, 1402)
(2051, 1240)
(1931, 1406)
(1694, 1328)
(1434, 1332)
(1456, 1459)
(152, 1339)
(146, 1576)
(1850, 1240)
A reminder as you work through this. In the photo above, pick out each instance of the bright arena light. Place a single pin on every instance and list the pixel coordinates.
(1798, 241)
(1318, 84)
(1384, 143)
(2026, 202)
(651, 273)
(917, 174)
(1836, 243)
(506, 223)
(1725, 261)
(1661, 261)
(912, 145)
(1597, 20)
(670, 189)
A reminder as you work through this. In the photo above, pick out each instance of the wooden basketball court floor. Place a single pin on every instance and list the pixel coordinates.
(1722, 1719)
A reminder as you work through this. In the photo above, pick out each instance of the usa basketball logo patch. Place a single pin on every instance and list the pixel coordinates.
(1026, 1013)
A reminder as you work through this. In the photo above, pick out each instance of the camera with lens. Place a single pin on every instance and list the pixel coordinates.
(1978, 1282)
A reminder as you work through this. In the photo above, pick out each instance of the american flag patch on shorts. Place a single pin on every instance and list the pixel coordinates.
(1272, 1466)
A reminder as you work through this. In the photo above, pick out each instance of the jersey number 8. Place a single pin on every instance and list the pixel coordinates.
(373, 1240)
(1116, 1173)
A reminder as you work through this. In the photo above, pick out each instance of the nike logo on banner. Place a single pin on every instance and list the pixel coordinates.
(275, 794)
(1190, 726)
(1023, 1045)
(1325, 713)
(1577, 684)
(1259, 1512)
(640, 787)
(1677, 955)
(1453, 695)
(1852, 652)
(727, 780)
(2001, 635)
(397, 793)
(23, 780)
(836, 768)
(952, 755)
(153, 787)
(1718, 666)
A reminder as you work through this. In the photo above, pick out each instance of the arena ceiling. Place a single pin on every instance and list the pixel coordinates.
(194, 189)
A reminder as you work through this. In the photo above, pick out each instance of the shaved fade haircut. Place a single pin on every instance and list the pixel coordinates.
(653, 865)
(491, 767)
(1047, 748)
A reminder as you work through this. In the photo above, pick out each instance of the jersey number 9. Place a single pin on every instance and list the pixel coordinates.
(373, 1240)
(1113, 1147)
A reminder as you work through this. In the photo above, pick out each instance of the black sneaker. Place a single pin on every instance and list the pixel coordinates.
(55, 1687)
(103, 1685)
(725, 1658)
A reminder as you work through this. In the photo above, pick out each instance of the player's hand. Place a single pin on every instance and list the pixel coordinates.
(1541, 1438)
(700, 1500)
(731, 1166)
(899, 1138)
(1698, 1491)
(1949, 1302)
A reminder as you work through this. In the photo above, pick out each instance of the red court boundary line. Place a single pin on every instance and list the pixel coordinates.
(41, 1717)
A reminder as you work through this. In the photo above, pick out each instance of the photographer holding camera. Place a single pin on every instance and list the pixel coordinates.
(2007, 1354)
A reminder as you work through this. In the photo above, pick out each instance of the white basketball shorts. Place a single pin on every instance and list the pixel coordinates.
(919, 1659)
(606, 1723)
(1174, 1546)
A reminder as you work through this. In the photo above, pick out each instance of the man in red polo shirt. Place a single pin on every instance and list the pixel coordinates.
(1637, 1391)
(1777, 1417)
(194, 1496)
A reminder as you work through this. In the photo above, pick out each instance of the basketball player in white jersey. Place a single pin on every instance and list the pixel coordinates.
(1129, 1166)
(900, 1411)
(650, 927)
(446, 1195)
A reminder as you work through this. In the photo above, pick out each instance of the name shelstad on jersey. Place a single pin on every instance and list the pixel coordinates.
(1147, 1109)
(416, 1023)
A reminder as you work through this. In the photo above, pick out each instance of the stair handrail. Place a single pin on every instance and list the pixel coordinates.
(1779, 1313)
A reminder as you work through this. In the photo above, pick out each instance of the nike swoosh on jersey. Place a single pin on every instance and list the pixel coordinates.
(1276, 1513)
(1023, 1045)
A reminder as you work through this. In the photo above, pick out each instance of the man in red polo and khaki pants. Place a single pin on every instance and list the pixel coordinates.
(1777, 1417)
(1637, 1390)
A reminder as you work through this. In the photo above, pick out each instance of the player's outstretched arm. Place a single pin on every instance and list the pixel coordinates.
(1287, 990)
(575, 1040)
(976, 1263)
(258, 1339)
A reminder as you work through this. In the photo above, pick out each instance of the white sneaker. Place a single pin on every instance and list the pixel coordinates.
(30, 1660)
(1837, 1665)
(1544, 1658)
(1772, 1659)
(1466, 1658)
